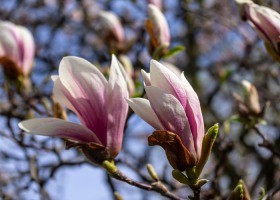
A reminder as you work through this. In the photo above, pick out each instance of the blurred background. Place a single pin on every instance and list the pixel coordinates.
(220, 51)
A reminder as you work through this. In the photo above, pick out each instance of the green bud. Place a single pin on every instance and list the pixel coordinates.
(110, 166)
(240, 192)
(152, 172)
(207, 144)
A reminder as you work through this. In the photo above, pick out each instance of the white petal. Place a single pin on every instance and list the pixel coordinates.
(146, 78)
(59, 128)
(142, 107)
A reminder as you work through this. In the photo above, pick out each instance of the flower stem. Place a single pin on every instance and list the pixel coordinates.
(196, 193)
(156, 186)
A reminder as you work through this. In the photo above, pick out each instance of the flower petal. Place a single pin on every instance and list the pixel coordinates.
(8, 41)
(265, 21)
(172, 116)
(59, 128)
(142, 107)
(86, 86)
(146, 77)
(194, 114)
(165, 79)
(62, 95)
(117, 93)
(27, 48)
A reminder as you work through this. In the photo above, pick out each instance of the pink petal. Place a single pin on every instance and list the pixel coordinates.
(265, 21)
(117, 107)
(172, 116)
(159, 23)
(59, 128)
(165, 79)
(62, 96)
(8, 41)
(27, 49)
(85, 89)
(194, 114)
(142, 107)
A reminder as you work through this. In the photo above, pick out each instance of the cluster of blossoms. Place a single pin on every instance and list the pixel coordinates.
(171, 105)
(101, 106)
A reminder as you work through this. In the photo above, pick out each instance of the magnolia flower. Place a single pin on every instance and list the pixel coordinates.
(157, 29)
(16, 49)
(173, 109)
(265, 21)
(112, 28)
(100, 105)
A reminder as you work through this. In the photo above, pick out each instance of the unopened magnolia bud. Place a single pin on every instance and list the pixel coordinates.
(16, 50)
(112, 30)
(251, 97)
(265, 22)
(207, 144)
(240, 192)
(157, 29)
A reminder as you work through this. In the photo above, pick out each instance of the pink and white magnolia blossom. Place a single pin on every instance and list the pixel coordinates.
(172, 105)
(16, 48)
(265, 21)
(100, 105)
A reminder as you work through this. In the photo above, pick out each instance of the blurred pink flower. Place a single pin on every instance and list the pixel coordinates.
(112, 28)
(16, 49)
(172, 105)
(100, 105)
(157, 28)
(265, 21)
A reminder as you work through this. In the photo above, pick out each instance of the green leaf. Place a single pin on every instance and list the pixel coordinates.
(173, 51)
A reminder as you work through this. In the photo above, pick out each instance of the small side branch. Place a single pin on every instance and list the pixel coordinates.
(266, 143)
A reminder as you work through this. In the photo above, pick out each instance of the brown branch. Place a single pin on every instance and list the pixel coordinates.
(156, 186)
(266, 143)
